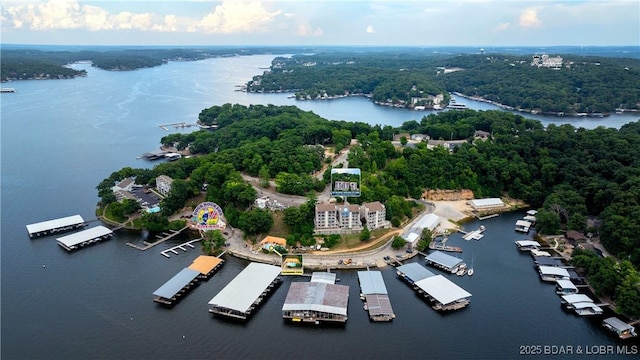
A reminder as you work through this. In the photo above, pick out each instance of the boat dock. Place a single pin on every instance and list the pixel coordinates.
(54, 226)
(319, 300)
(176, 125)
(473, 235)
(163, 237)
(444, 261)
(182, 247)
(443, 294)
(85, 237)
(246, 291)
(202, 268)
(373, 292)
(441, 245)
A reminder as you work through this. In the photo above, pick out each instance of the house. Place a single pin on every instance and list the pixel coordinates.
(483, 135)
(124, 185)
(163, 184)
(270, 241)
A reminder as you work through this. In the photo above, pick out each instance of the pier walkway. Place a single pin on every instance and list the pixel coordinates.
(182, 247)
(148, 245)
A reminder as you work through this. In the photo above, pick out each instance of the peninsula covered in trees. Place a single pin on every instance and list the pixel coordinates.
(571, 85)
(568, 174)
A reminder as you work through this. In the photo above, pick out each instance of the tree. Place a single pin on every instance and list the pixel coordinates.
(403, 140)
(398, 242)
(365, 234)
(213, 241)
(264, 176)
(255, 221)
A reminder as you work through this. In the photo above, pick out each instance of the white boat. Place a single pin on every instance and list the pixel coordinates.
(470, 271)
(461, 272)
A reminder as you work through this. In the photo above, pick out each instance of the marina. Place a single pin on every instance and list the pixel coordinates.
(202, 268)
(246, 291)
(84, 238)
(373, 292)
(316, 301)
(56, 225)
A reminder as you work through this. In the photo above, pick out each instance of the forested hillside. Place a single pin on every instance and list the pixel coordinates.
(593, 86)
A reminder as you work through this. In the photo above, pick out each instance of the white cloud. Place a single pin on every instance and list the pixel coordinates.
(236, 16)
(529, 18)
(502, 26)
(304, 29)
(370, 29)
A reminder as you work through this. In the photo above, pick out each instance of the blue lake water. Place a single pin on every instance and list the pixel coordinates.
(61, 138)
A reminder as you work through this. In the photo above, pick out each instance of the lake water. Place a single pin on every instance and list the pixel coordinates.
(61, 138)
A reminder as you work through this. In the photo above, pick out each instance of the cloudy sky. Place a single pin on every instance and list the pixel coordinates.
(321, 22)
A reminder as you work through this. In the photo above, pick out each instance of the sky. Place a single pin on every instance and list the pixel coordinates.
(321, 22)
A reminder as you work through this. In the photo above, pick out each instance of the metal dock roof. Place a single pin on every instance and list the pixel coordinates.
(566, 284)
(176, 283)
(378, 304)
(80, 237)
(553, 270)
(204, 264)
(577, 298)
(414, 271)
(444, 260)
(323, 276)
(54, 224)
(547, 261)
(442, 289)
(618, 324)
(246, 287)
(371, 282)
(317, 296)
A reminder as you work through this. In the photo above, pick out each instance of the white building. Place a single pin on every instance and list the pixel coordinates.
(375, 214)
(163, 184)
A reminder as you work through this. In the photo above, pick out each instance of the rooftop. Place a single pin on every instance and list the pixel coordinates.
(246, 287)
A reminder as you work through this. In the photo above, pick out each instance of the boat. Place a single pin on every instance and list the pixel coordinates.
(7, 90)
(470, 271)
(461, 272)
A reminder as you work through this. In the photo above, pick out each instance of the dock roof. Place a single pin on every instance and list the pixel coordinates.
(547, 261)
(618, 324)
(442, 289)
(176, 283)
(553, 270)
(317, 296)
(486, 203)
(378, 304)
(415, 271)
(85, 235)
(246, 287)
(371, 282)
(54, 224)
(323, 276)
(204, 264)
(443, 259)
(523, 223)
(566, 284)
(521, 243)
(577, 298)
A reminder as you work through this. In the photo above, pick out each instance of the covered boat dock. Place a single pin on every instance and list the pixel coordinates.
(565, 287)
(553, 273)
(375, 296)
(581, 304)
(622, 329)
(527, 245)
(53, 226)
(316, 301)
(84, 237)
(202, 268)
(444, 294)
(246, 291)
(443, 261)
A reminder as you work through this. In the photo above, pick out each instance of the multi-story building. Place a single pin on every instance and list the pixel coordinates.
(345, 218)
(163, 184)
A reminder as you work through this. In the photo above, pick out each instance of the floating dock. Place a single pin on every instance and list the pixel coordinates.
(376, 298)
(246, 291)
(619, 327)
(443, 294)
(444, 261)
(316, 301)
(85, 237)
(54, 226)
(202, 268)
